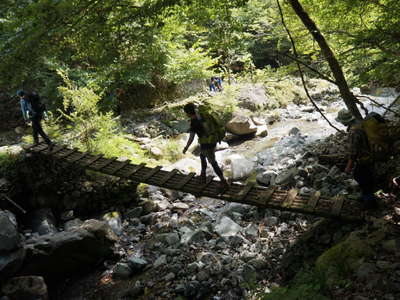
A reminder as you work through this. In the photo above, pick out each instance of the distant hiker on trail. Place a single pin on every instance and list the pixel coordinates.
(367, 143)
(213, 86)
(209, 132)
(32, 110)
(218, 83)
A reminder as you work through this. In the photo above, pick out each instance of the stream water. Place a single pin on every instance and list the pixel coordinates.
(316, 129)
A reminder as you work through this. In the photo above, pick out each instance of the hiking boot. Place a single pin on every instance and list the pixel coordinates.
(203, 178)
(51, 146)
(223, 186)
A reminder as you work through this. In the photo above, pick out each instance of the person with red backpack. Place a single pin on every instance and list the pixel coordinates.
(202, 125)
(33, 110)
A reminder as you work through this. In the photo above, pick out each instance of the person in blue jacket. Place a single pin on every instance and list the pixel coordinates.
(212, 85)
(32, 110)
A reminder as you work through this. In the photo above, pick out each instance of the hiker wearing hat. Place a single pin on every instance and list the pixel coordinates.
(32, 110)
(360, 161)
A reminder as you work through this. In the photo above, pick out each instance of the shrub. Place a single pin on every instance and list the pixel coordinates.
(90, 129)
(8, 162)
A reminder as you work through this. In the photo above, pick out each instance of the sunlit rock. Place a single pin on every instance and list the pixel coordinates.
(262, 131)
(226, 227)
(286, 176)
(241, 125)
(113, 219)
(266, 178)
(252, 97)
(240, 166)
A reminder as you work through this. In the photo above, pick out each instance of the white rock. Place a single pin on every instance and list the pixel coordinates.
(240, 166)
(226, 227)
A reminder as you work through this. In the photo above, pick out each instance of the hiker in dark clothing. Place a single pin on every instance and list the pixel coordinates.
(207, 150)
(360, 161)
(33, 110)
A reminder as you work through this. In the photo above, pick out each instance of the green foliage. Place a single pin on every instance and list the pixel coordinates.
(52, 127)
(285, 91)
(92, 130)
(8, 162)
(224, 104)
(117, 146)
(155, 43)
(307, 284)
(361, 33)
(187, 64)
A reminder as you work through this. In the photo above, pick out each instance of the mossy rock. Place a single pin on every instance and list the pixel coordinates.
(344, 258)
(376, 237)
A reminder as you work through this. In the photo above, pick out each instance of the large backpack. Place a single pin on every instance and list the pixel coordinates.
(37, 106)
(376, 129)
(214, 128)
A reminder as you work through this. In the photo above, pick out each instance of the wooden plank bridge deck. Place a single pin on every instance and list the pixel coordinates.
(272, 197)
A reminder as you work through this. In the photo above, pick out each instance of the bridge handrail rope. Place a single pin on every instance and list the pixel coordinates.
(266, 197)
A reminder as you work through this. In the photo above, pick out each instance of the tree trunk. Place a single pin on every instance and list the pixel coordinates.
(349, 99)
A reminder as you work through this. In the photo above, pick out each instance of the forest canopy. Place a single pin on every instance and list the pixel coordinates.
(155, 43)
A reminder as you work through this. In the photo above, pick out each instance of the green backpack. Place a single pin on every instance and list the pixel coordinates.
(213, 126)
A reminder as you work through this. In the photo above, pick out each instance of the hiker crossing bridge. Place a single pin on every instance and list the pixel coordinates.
(271, 197)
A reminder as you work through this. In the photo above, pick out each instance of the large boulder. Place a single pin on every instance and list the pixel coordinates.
(241, 125)
(56, 255)
(347, 255)
(252, 97)
(9, 237)
(11, 253)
